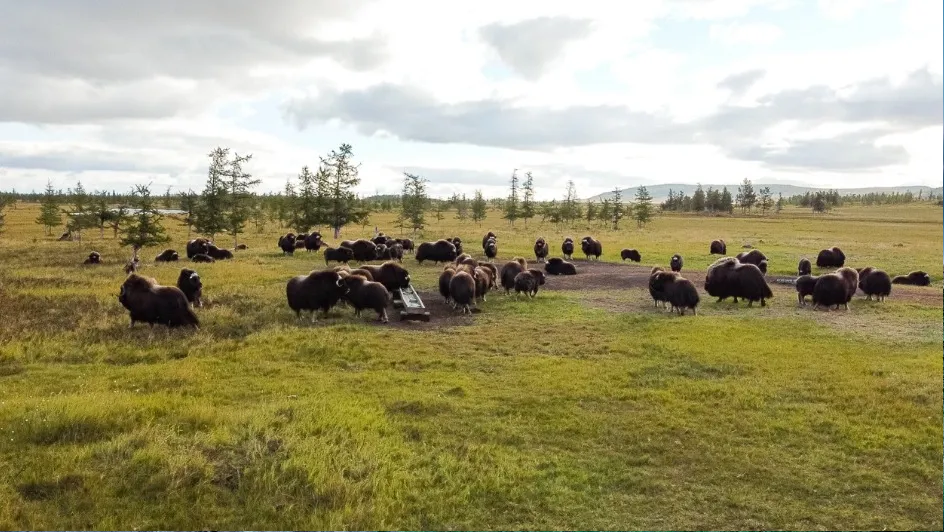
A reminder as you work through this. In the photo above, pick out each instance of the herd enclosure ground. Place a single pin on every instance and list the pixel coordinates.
(585, 408)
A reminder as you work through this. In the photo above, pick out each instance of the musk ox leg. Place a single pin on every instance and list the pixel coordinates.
(846, 305)
(382, 316)
(694, 312)
(763, 302)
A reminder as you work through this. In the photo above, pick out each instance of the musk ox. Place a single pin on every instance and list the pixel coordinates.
(558, 266)
(567, 248)
(190, 284)
(491, 248)
(300, 241)
(364, 250)
(456, 241)
(339, 254)
(287, 244)
(93, 258)
(762, 266)
(242, 247)
(674, 289)
(381, 238)
(753, 256)
(528, 282)
(728, 277)
(718, 247)
(313, 241)
(541, 249)
(390, 251)
(492, 269)
(408, 246)
(804, 267)
(874, 282)
(363, 294)
(439, 251)
(317, 290)
(483, 282)
(444, 279)
(390, 274)
(656, 287)
(804, 287)
(591, 247)
(168, 255)
(462, 290)
(630, 254)
(488, 235)
(917, 278)
(509, 271)
(834, 289)
(152, 303)
(463, 257)
(218, 253)
(831, 258)
(366, 274)
(202, 257)
(676, 263)
(197, 246)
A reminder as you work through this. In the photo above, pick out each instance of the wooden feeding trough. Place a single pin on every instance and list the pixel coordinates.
(412, 307)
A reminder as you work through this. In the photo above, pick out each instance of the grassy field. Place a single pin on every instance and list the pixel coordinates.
(582, 409)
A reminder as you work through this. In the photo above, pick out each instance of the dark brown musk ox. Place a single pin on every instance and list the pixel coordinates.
(558, 266)
(390, 274)
(804, 267)
(874, 282)
(718, 247)
(835, 289)
(674, 289)
(728, 277)
(363, 294)
(492, 269)
(390, 251)
(219, 253)
(313, 241)
(831, 258)
(656, 288)
(202, 257)
(541, 249)
(168, 255)
(762, 266)
(444, 279)
(366, 274)
(462, 257)
(315, 291)
(462, 291)
(152, 303)
(591, 247)
(528, 282)
(456, 241)
(567, 248)
(753, 256)
(381, 238)
(483, 281)
(439, 251)
(364, 250)
(408, 245)
(804, 287)
(916, 278)
(676, 263)
(339, 254)
(93, 258)
(241, 247)
(287, 244)
(487, 236)
(197, 246)
(191, 285)
(509, 271)
(300, 241)
(630, 254)
(491, 248)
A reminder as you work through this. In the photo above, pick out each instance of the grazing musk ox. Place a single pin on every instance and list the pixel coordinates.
(439, 251)
(317, 290)
(674, 289)
(339, 254)
(718, 247)
(728, 277)
(197, 246)
(509, 271)
(804, 267)
(676, 263)
(541, 249)
(834, 289)
(462, 290)
(567, 248)
(753, 256)
(874, 282)
(558, 266)
(630, 254)
(591, 247)
(831, 258)
(190, 284)
(804, 287)
(390, 274)
(363, 294)
(528, 282)
(917, 278)
(152, 303)
(93, 258)
(168, 255)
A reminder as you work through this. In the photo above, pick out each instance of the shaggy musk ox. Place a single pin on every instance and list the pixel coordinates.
(168, 255)
(317, 290)
(483, 281)
(197, 246)
(242, 247)
(190, 284)
(462, 291)
(463, 258)
(390, 251)
(390, 274)
(509, 271)
(762, 266)
(202, 257)
(591, 248)
(363, 294)
(630, 254)
(491, 248)
(831, 258)
(753, 256)
(917, 278)
(528, 282)
(674, 289)
(558, 266)
(804, 267)
(439, 251)
(656, 287)
(381, 238)
(340, 254)
(93, 258)
(488, 235)
(287, 244)
(444, 279)
(804, 287)
(492, 270)
(567, 248)
(218, 253)
(728, 277)
(456, 241)
(364, 250)
(834, 289)
(676, 263)
(313, 241)
(718, 247)
(406, 243)
(152, 303)
(874, 282)
(541, 249)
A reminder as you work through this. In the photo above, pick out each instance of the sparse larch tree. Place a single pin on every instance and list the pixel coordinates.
(79, 216)
(144, 228)
(305, 204)
(118, 217)
(569, 210)
(479, 207)
(49, 215)
(413, 201)
(592, 210)
(462, 207)
(746, 196)
(642, 209)
(606, 207)
(211, 217)
(779, 201)
(239, 195)
(527, 201)
(342, 178)
(699, 199)
(766, 200)
(617, 208)
(511, 205)
(190, 205)
(5, 200)
(101, 211)
(725, 202)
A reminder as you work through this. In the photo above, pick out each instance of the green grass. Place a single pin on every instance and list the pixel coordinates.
(580, 409)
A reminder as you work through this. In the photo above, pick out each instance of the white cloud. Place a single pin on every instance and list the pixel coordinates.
(736, 34)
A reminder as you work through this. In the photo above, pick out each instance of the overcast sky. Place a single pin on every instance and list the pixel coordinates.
(839, 93)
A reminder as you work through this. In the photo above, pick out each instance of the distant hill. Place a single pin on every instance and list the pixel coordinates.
(661, 192)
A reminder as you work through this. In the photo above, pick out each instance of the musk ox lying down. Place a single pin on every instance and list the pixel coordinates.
(197, 246)
(242, 247)
(804, 267)
(541, 249)
(190, 284)
(672, 288)
(509, 271)
(558, 266)
(363, 294)
(567, 248)
(390, 274)
(728, 277)
(874, 282)
(591, 247)
(831, 258)
(630, 254)
(317, 290)
(676, 263)
(218, 253)
(340, 254)
(834, 289)
(804, 287)
(93, 258)
(439, 251)
(152, 303)
(718, 247)
(917, 278)
(202, 257)
(491, 248)
(168, 255)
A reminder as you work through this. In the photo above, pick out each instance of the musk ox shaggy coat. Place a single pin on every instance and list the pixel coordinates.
(558, 266)
(753, 256)
(491, 248)
(591, 247)
(456, 241)
(834, 289)
(313, 241)
(541, 249)
(439, 251)
(463, 257)
(152, 303)
(379, 239)
(366, 274)
(679, 292)
(492, 270)
(408, 246)
(390, 274)
(93, 258)
(917, 278)
(483, 282)
(462, 291)
(874, 282)
(242, 247)
(340, 254)
(718, 247)
(804, 267)
(287, 244)
(567, 248)
(656, 286)
(444, 279)
(190, 284)
(317, 290)
(728, 277)
(676, 263)
(363, 294)
(390, 251)
(804, 287)
(487, 236)
(168, 255)
(528, 282)
(218, 253)
(630, 254)
(509, 271)
(197, 246)
(202, 257)
(364, 250)
(831, 258)
(762, 266)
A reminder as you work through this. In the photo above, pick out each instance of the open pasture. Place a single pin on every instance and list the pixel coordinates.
(586, 407)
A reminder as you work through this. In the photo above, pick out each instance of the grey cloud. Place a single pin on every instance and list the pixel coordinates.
(530, 46)
(81, 160)
(850, 152)
(740, 82)
(544, 175)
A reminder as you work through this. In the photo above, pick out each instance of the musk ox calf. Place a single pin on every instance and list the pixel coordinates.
(93, 258)
(390, 274)
(197, 246)
(558, 266)
(152, 303)
(509, 271)
(804, 267)
(219, 253)
(674, 289)
(567, 248)
(676, 263)
(591, 247)
(753, 256)
(317, 290)
(541, 249)
(630, 254)
(313, 241)
(168, 255)
(728, 277)
(831, 258)
(462, 291)
(202, 257)
(491, 248)
(718, 247)
(874, 282)
(917, 278)
(528, 282)
(834, 289)
(190, 284)
(363, 294)
(287, 244)
(804, 287)
(488, 235)
(439, 251)
(340, 254)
